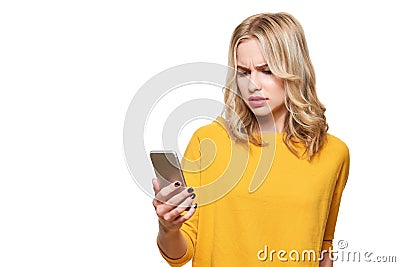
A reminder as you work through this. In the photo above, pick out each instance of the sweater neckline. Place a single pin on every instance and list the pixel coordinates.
(221, 120)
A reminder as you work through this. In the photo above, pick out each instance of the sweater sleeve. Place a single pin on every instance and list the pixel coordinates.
(191, 170)
(335, 203)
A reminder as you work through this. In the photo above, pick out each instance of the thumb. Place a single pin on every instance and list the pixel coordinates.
(156, 186)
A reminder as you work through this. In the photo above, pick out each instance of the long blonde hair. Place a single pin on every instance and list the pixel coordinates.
(283, 41)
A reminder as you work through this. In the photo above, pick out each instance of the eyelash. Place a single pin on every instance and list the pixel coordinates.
(244, 73)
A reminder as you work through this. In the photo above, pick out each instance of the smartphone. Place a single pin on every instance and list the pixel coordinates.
(167, 167)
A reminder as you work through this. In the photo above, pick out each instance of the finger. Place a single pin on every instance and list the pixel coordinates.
(187, 215)
(165, 192)
(174, 213)
(165, 206)
(156, 186)
(180, 197)
(156, 203)
(183, 199)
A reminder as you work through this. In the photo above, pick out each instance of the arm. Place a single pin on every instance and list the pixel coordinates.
(326, 261)
(334, 210)
(178, 230)
(170, 239)
(172, 243)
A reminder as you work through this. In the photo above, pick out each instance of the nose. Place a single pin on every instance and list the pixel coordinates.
(254, 83)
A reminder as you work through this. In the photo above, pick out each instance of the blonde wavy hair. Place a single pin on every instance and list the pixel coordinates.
(286, 53)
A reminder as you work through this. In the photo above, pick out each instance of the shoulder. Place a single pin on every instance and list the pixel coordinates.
(214, 130)
(209, 137)
(337, 146)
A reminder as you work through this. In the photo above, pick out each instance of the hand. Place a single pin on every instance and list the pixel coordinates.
(170, 202)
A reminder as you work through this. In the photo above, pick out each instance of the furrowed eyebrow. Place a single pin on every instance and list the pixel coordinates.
(241, 67)
(261, 67)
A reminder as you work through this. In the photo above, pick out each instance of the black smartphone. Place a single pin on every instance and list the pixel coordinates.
(167, 167)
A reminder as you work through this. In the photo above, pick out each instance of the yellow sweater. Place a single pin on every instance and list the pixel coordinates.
(285, 219)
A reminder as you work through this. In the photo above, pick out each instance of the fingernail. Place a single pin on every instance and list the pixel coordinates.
(193, 196)
(177, 184)
(190, 190)
(195, 205)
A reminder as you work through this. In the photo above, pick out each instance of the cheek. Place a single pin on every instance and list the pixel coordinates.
(242, 84)
(279, 95)
(281, 90)
(274, 87)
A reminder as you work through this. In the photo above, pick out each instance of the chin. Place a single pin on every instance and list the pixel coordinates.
(262, 114)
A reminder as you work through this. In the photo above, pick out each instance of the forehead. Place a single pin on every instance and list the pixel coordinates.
(250, 52)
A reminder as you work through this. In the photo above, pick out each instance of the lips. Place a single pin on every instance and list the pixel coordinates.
(257, 101)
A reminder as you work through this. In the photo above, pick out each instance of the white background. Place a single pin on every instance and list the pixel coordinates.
(69, 69)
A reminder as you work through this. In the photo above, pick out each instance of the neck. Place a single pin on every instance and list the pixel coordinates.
(273, 122)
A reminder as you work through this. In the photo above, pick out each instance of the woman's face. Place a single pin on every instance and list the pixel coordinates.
(260, 89)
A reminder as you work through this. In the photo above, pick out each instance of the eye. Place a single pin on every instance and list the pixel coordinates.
(243, 73)
(268, 72)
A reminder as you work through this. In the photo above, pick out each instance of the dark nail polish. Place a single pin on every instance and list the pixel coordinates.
(177, 184)
(190, 190)
(195, 205)
(193, 196)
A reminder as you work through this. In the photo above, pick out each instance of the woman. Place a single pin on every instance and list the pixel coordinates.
(282, 209)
